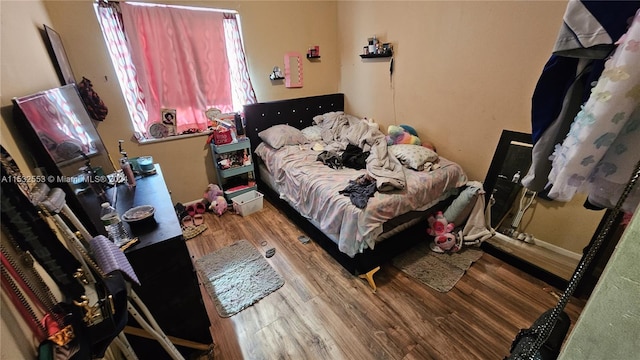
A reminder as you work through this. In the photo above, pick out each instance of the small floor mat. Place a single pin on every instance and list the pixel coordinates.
(438, 271)
(237, 276)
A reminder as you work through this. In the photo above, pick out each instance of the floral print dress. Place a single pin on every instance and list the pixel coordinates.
(602, 147)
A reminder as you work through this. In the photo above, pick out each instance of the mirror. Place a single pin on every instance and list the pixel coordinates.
(544, 237)
(293, 70)
(62, 141)
(510, 163)
(60, 56)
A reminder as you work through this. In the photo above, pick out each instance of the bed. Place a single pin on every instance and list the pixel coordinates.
(311, 193)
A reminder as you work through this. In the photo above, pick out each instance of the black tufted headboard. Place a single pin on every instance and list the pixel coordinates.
(297, 112)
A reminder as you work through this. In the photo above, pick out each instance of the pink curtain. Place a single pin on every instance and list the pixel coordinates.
(182, 61)
(113, 30)
(242, 89)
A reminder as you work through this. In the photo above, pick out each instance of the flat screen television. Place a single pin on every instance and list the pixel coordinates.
(59, 121)
(62, 139)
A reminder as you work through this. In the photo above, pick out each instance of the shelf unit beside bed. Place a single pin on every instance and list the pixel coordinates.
(238, 178)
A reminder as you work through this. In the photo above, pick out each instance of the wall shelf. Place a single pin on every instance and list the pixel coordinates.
(372, 56)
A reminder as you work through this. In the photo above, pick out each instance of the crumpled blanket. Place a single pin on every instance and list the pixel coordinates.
(477, 227)
(293, 171)
(360, 190)
(340, 130)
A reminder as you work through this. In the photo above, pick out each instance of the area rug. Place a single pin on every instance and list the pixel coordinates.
(236, 277)
(439, 271)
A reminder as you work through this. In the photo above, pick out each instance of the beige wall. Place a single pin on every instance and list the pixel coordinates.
(270, 29)
(463, 72)
(26, 68)
(22, 72)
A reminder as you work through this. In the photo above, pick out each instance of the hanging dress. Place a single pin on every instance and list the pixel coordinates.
(603, 145)
(585, 39)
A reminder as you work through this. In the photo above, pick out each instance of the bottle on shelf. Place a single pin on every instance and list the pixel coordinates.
(125, 165)
(113, 224)
(239, 125)
(127, 171)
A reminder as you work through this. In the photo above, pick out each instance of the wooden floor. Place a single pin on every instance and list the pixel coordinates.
(551, 261)
(324, 312)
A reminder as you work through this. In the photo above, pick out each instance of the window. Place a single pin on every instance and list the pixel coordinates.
(176, 58)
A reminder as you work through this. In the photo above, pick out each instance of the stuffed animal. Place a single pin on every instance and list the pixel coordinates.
(217, 202)
(398, 134)
(443, 239)
(405, 134)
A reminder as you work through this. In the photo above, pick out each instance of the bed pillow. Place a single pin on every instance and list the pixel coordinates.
(461, 207)
(312, 133)
(413, 156)
(278, 136)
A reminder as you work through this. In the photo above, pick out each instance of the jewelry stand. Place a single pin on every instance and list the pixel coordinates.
(125, 348)
(149, 324)
(134, 303)
(540, 338)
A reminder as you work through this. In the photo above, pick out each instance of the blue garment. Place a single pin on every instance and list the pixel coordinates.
(587, 37)
(557, 76)
(360, 190)
(590, 28)
(589, 31)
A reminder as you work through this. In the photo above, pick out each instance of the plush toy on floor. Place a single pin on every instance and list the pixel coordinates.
(217, 202)
(443, 239)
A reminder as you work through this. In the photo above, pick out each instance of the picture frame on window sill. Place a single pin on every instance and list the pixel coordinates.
(169, 119)
(158, 130)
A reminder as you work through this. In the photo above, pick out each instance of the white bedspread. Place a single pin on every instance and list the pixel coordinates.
(312, 188)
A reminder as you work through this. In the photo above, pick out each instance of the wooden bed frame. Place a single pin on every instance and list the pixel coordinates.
(299, 113)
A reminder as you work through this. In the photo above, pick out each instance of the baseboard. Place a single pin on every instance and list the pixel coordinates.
(192, 202)
(532, 269)
(544, 244)
(557, 249)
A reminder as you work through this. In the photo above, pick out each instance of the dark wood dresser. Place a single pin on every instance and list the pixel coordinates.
(161, 260)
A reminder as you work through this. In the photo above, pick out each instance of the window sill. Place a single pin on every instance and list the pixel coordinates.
(176, 137)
